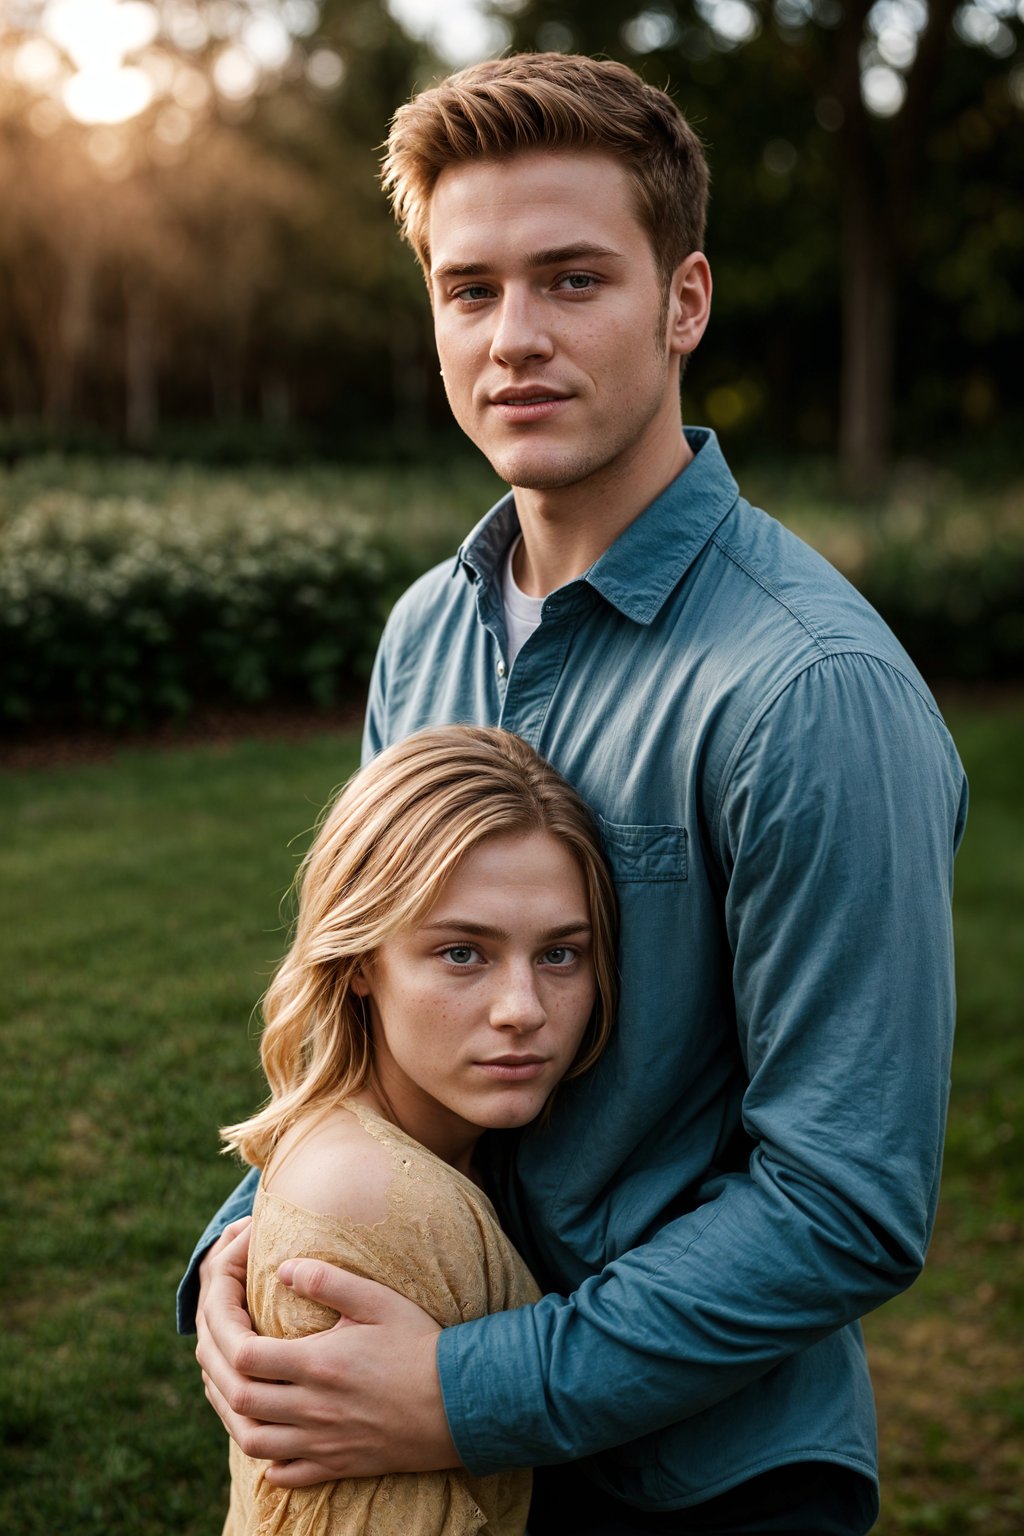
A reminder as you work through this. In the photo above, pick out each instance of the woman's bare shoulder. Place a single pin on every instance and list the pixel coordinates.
(329, 1163)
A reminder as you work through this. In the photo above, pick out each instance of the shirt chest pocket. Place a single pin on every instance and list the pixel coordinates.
(638, 852)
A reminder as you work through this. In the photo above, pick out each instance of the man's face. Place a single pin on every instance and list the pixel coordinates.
(550, 316)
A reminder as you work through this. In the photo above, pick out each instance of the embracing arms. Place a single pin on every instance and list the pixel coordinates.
(834, 829)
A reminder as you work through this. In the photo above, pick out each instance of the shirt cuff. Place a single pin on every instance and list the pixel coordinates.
(492, 1388)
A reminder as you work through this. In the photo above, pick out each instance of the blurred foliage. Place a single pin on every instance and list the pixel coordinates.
(132, 592)
(119, 612)
(244, 267)
(847, 244)
(225, 260)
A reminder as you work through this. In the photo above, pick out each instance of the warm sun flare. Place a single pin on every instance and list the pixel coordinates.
(97, 35)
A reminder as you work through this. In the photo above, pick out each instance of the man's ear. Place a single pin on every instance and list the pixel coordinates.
(689, 303)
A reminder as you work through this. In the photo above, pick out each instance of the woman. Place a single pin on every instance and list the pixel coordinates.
(453, 959)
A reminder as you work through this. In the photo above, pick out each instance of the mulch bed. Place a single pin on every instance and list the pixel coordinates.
(42, 747)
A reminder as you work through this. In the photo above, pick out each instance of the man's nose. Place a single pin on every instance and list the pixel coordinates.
(520, 332)
(517, 1003)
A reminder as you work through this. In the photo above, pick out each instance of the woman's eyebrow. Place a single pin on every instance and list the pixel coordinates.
(483, 931)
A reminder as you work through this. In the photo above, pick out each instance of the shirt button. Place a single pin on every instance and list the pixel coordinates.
(501, 669)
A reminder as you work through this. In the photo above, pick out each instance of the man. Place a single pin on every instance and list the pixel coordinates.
(754, 1163)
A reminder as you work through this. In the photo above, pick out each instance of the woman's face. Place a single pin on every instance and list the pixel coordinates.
(479, 1010)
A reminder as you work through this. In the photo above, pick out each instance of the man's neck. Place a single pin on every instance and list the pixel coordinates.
(567, 529)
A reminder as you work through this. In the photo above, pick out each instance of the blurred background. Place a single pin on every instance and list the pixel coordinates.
(193, 248)
(224, 450)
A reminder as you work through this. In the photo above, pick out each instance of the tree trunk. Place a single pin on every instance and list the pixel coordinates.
(141, 399)
(866, 261)
(73, 330)
(409, 380)
(866, 382)
(876, 215)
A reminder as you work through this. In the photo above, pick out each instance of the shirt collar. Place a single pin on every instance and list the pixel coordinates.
(649, 558)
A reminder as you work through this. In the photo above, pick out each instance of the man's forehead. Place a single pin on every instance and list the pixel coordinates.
(530, 203)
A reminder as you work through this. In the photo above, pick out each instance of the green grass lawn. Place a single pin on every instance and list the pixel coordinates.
(144, 914)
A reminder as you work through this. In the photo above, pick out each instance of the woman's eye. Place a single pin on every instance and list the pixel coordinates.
(560, 955)
(460, 954)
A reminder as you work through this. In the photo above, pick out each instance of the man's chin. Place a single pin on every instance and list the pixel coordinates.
(529, 472)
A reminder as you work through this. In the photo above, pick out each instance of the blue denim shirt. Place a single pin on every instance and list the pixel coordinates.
(754, 1162)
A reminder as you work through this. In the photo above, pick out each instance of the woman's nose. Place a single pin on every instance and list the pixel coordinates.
(517, 1002)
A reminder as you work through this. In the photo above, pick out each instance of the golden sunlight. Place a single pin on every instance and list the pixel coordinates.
(99, 95)
(96, 35)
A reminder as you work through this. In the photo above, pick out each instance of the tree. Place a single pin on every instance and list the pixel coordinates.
(859, 90)
(222, 249)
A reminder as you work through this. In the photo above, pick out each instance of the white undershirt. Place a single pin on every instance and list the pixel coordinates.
(522, 613)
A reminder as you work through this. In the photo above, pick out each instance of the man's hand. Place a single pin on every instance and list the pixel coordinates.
(359, 1400)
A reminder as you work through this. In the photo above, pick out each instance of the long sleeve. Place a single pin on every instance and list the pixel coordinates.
(834, 830)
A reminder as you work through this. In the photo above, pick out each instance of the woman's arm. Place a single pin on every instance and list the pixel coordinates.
(327, 1194)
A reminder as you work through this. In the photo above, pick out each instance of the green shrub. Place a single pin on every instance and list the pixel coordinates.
(946, 571)
(119, 611)
(953, 590)
(132, 590)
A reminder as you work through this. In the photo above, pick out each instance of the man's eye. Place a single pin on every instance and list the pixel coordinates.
(472, 292)
(578, 282)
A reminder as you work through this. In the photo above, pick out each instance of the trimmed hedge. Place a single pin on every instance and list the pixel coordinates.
(119, 608)
(121, 612)
(946, 574)
(955, 596)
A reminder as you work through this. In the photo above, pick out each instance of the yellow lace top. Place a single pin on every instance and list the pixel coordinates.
(440, 1244)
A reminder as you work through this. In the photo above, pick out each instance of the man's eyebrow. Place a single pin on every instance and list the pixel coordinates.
(582, 250)
(578, 252)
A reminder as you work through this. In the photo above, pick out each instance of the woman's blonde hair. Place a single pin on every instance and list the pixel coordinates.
(553, 101)
(391, 840)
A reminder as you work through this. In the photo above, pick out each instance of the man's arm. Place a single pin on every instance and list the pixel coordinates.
(835, 827)
(236, 1206)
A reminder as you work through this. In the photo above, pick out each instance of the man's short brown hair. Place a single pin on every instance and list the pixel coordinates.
(556, 101)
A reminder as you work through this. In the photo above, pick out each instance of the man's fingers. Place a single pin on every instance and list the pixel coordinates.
(222, 1276)
(289, 1445)
(355, 1300)
(297, 1474)
(228, 1249)
(232, 1230)
(231, 1250)
(254, 1436)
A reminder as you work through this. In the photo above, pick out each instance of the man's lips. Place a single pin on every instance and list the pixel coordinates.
(526, 394)
(528, 403)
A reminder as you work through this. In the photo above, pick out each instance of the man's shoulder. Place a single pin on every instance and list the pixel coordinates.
(784, 586)
(435, 583)
(443, 588)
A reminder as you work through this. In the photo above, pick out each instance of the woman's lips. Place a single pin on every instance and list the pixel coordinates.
(512, 1069)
